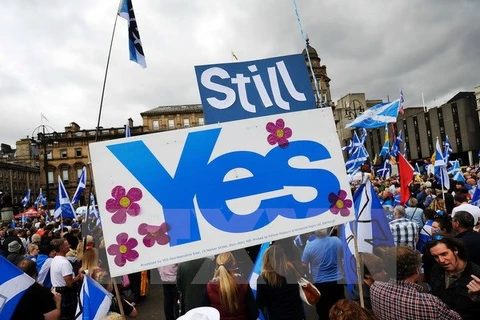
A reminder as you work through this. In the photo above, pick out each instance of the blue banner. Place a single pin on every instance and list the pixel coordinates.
(240, 90)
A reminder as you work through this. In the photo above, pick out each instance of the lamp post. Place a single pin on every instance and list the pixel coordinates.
(353, 109)
(41, 131)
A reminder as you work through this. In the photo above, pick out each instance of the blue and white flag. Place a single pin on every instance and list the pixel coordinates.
(82, 183)
(447, 149)
(417, 169)
(134, 44)
(127, 131)
(41, 200)
(396, 145)
(455, 171)
(94, 300)
(354, 145)
(441, 166)
(13, 284)
(372, 229)
(26, 199)
(257, 269)
(386, 169)
(377, 116)
(476, 196)
(94, 212)
(63, 206)
(356, 160)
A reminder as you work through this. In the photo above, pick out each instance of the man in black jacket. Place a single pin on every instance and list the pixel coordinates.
(463, 223)
(451, 275)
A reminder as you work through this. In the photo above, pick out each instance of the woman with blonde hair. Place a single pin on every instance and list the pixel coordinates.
(32, 252)
(277, 288)
(227, 293)
(90, 261)
(438, 204)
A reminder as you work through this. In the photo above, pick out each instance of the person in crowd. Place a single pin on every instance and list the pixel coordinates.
(401, 298)
(350, 310)
(11, 237)
(63, 279)
(192, 279)
(101, 276)
(44, 261)
(32, 252)
(463, 224)
(463, 205)
(448, 199)
(36, 239)
(37, 302)
(404, 231)
(168, 275)
(426, 232)
(228, 293)
(277, 288)
(90, 261)
(14, 256)
(372, 271)
(451, 275)
(414, 213)
(324, 256)
(438, 204)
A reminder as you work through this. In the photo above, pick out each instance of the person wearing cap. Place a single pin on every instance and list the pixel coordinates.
(14, 255)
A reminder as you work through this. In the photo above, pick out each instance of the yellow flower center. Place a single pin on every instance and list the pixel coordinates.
(280, 133)
(124, 202)
(154, 234)
(339, 204)
(123, 249)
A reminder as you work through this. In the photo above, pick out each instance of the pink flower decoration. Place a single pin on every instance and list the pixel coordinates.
(154, 234)
(279, 134)
(123, 251)
(339, 203)
(122, 204)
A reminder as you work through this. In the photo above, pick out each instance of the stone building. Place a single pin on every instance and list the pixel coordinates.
(16, 179)
(164, 118)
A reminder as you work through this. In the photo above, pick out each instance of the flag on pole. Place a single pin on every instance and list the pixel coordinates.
(127, 131)
(41, 200)
(82, 183)
(386, 169)
(441, 166)
(372, 229)
(93, 211)
(356, 160)
(42, 116)
(386, 145)
(135, 44)
(455, 171)
(13, 284)
(406, 172)
(396, 145)
(26, 199)
(257, 269)
(447, 149)
(63, 206)
(94, 300)
(402, 100)
(377, 116)
(476, 196)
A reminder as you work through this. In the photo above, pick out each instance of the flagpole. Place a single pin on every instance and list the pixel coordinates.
(357, 263)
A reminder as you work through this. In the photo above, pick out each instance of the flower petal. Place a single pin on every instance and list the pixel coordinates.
(164, 227)
(334, 209)
(332, 198)
(131, 255)
(120, 260)
(283, 143)
(272, 139)
(113, 249)
(342, 194)
(163, 239)
(120, 216)
(271, 127)
(280, 123)
(142, 229)
(122, 238)
(118, 192)
(287, 133)
(133, 209)
(347, 203)
(148, 241)
(344, 212)
(134, 194)
(131, 243)
(112, 205)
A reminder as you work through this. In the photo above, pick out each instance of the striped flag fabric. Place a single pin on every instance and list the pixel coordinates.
(386, 169)
(134, 44)
(63, 206)
(13, 284)
(377, 116)
(94, 300)
(82, 183)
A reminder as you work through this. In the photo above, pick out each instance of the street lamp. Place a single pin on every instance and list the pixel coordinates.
(42, 132)
(353, 109)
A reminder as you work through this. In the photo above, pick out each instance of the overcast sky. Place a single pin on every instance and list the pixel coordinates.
(53, 52)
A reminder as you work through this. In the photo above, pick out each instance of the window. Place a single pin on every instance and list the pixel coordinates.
(63, 154)
(171, 124)
(79, 173)
(78, 152)
(50, 177)
(186, 123)
(156, 126)
(201, 121)
(65, 175)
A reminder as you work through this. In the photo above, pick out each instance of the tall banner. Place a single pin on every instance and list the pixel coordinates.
(185, 194)
(241, 90)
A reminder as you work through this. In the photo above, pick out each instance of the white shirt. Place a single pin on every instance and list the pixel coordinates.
(60, 268)
(474, 211)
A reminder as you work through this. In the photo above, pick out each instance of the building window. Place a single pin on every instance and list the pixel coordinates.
(171, 124)
(186, 123)
(63, 154)
(50, 177)
(78, 152)
(156, 126)
(79, 173)
(201, 121)
(65, 175)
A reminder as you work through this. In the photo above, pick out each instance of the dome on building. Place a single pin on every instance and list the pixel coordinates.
(311, 51)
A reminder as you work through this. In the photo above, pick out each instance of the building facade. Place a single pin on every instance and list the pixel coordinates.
(16, 179)
(164, 118)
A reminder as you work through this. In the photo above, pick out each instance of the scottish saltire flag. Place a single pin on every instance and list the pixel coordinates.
(372, 229)
(82, 183)
(396, 145)
(386, 169)
(402, 101)
(127, 131)
(41, 200)
(63, 206)
(134, 44)
(363, 135)
(13, 284)
(377, 116)
(447, 149)
(354, 145)
(441, 166)
(94, 212)
(257, 269)
(94, 300)
(26, 199)
(455, 171)
(356, 160)
(476, 196)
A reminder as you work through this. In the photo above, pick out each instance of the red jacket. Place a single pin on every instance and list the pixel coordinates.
(245, 302)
